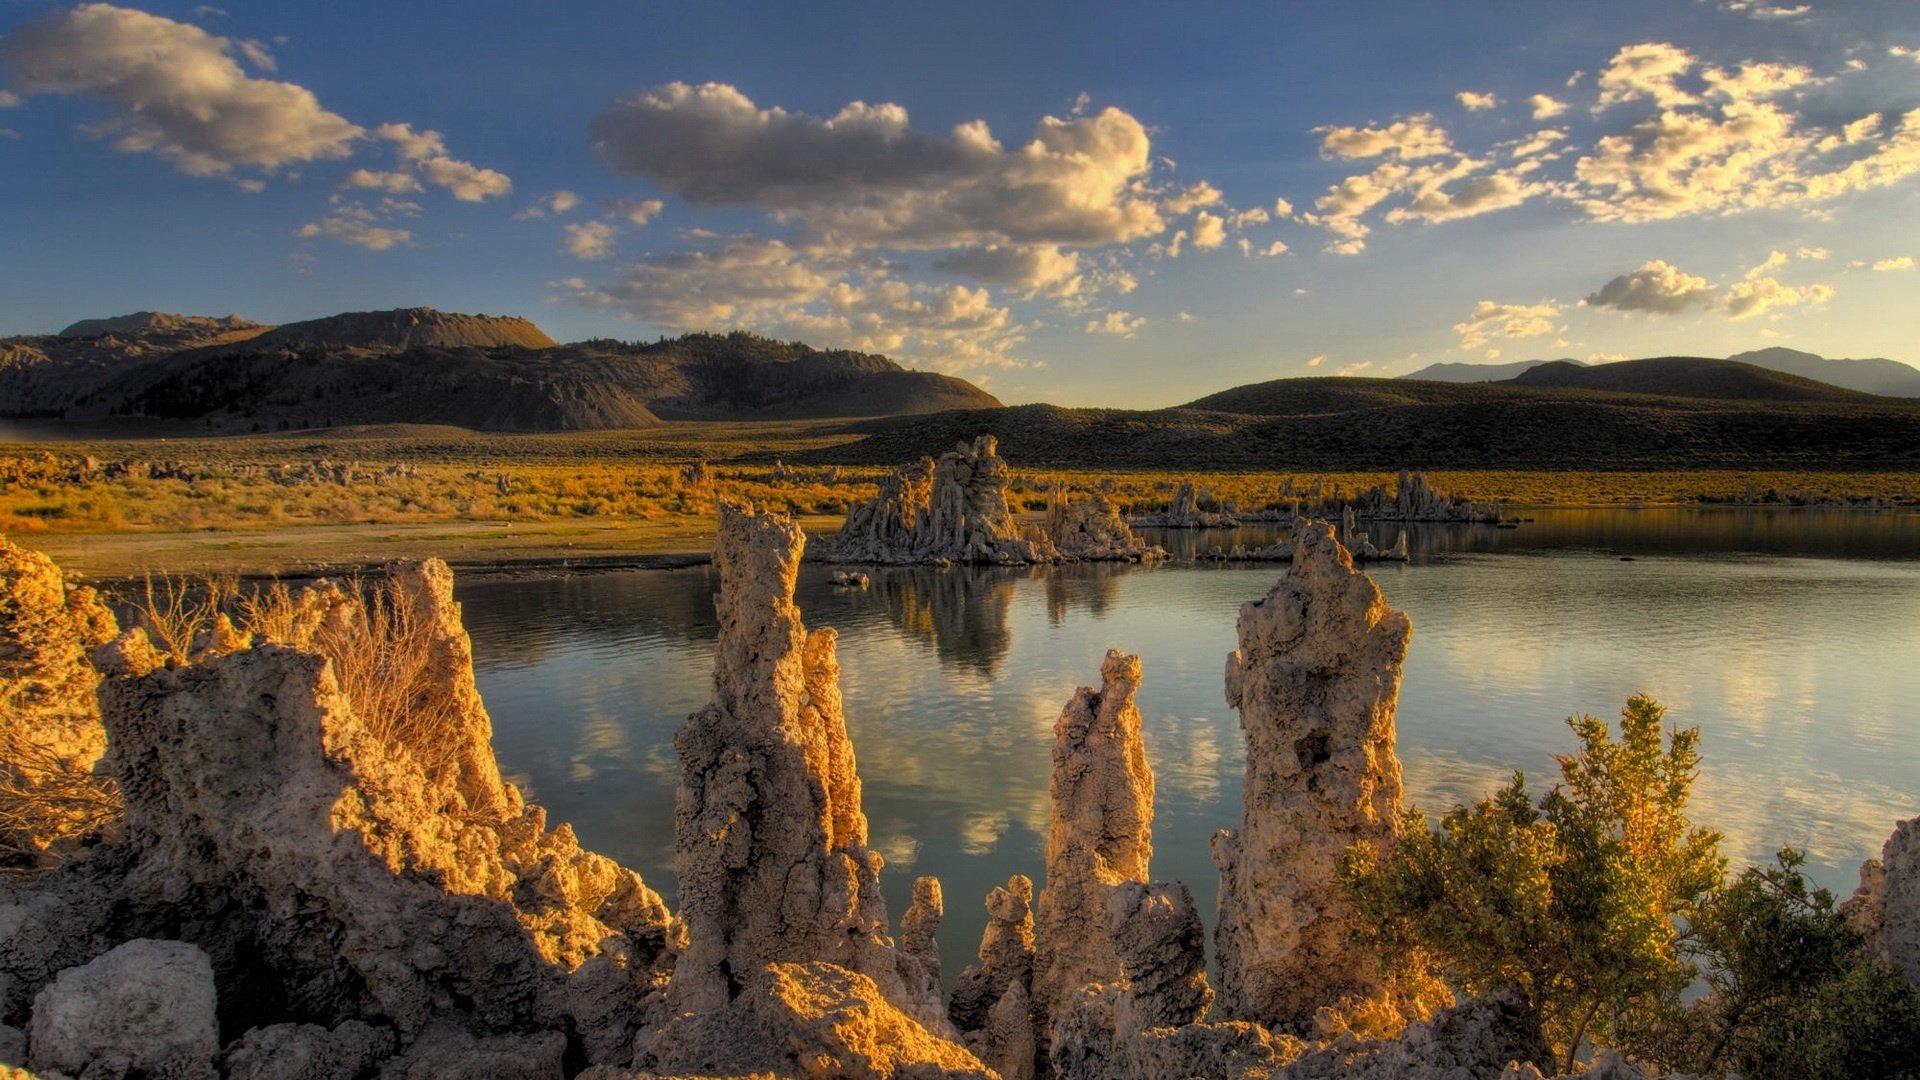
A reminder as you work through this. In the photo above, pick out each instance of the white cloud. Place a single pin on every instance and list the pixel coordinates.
(1646, 70)
(1759, 296)
(1282, 208)
(638, 211)
(773, 288)
(1764, 11)
(1317, 361)
(864, 176)
(590, 240)
(1545, 107)
(1538, 143)
(1774, 261)
(426, 151)
(1193, 198)
(175, 90)
(1814, 253)
(1657, 288)
(1491, 320)
(1118, 323)
(9, 100)
(1350, 370)
(1410, 139)
(1209, 231)
(1899, 262)
(1480, 195)
(562, 201)
(353, 223)
(1037, 269)
(397, 182)
(1475, 102)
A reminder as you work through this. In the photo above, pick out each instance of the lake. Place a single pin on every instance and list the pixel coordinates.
(1790, 637)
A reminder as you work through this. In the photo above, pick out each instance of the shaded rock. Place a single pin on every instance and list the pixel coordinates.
(1886, 907)
(813, 1020)
(1157, 937)
(146, 1007)
(992, 1004)
(1479, 1037)
(950, 511)
(1191, 508)
(1092, 530)
(1415, 499)
(1315, 681)
(58, 921)
(918, 927)
(335, 870)
(770, 837)
(308, 1052)
(52, 736)
(453, 1054)
(1101, 832)
(13, 1046)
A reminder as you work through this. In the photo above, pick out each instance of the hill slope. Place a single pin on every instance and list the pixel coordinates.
(1339, 424)
(1875, 376)
(422, 366)
(1472, 373)
(1685, 376)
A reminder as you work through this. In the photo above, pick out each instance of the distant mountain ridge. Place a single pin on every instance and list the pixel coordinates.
(1874, 376)
(421, 366)
(1684, 376)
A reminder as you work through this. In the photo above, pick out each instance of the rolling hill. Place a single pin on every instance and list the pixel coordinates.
(1876, 376)
(422, 366)
(1685, 376)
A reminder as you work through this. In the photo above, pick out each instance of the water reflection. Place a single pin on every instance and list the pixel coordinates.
(1798, 669)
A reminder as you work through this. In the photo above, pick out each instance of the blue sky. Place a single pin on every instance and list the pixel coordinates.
(1092, 204)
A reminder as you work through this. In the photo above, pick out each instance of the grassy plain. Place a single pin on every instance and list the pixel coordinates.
(322, 500)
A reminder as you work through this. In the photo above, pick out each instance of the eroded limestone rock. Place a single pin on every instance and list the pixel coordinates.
(1092, 530)
(771, 840)
(814, 1020)
(1478, 1037)
(145, 1008)
(950, 511)
(1315, 681)
(992, 1004)
(307, 1052)
(1192, 508)
(332, 874)
(1101, 832)
(1886, 907)
(51, 737)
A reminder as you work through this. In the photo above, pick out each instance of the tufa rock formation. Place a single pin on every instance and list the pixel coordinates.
(144, 1009)
(779, 892)
(1315, 681)
(950, 511)
(336, 866)
(992, 1003)
(52, 738)
(1092, 530)
(1192, 508)
(1101, 834)
(1886, 908)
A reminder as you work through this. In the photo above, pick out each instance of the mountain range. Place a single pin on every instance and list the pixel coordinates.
(424, 366)
(1874, 376)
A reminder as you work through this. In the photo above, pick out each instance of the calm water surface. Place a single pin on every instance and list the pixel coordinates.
(1790, 637)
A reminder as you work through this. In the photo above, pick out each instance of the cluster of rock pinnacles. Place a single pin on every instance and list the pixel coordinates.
(292, 896)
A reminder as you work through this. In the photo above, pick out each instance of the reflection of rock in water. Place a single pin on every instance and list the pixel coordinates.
(524, 621)
(963, 612)
(1091, 587)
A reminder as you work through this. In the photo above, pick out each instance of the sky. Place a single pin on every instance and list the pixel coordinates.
(1124, 204)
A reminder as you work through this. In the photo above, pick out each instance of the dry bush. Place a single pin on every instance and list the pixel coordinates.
(378, 642)
(46, 806)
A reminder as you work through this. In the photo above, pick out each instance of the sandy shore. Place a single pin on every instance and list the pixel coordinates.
(308, 550)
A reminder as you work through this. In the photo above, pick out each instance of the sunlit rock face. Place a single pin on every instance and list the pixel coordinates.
(51, 736)
(953, 510)
(1886, 908)
(1101, 832)
(770, 838)
(331, 872)
(1315, 680)
(992, 1005)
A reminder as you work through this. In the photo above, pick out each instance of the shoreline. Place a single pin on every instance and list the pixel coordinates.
(507, 549)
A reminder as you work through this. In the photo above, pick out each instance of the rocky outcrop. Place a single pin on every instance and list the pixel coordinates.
(144, 1009)
(1478, 1037)
(1191, 508)
(770, 837)
(992, 1003)
(1415, 499)
(1315, 681)
(1886, 907)
(336, 866)
(51, 738)
(307, 1052)
(1101, 833)
(950, 511)
(408, 328)
(1092, 530)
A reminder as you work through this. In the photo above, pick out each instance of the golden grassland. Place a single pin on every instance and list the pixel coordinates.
(368, 494)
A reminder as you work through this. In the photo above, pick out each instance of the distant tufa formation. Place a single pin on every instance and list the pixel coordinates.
(303, 889)
(955, 510)
(1412, 499)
